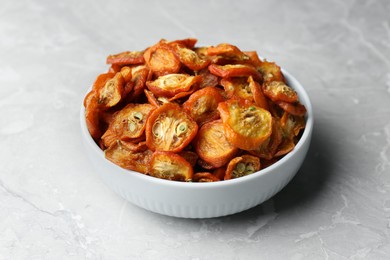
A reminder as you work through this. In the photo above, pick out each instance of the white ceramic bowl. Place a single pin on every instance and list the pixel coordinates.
(202, 200)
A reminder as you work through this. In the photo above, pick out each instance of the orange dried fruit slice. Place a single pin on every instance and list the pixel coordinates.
(280, 91)
(270, 71)
(235, 70)
(172, 84)
(204, 177)
(246, 126)
(128, 123)
(126, 58)
(170, 166)
(169, 128)
(202, 105)
(122, 156)
(161, 59)
(111, 92)
(190, 58)
(242, 166)
(212, 146)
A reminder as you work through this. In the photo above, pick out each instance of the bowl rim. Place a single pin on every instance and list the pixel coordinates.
(303, 97)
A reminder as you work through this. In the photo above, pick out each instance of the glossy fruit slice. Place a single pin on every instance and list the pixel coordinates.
(296, 109)
(161, 59)
(279, 91)
(111, 92)
(202, 105)
(128, 123)
(246, 126)
(190, 58)
(204, 177)
(169, 128)
(270, 71)
(235, 70)
(212, 145)
(119, 154)
(126, 58)
(242, 166)
(92, 115)
(172, 84)
(227, 51)
(170, 166)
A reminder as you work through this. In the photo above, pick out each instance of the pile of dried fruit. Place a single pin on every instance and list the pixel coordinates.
(180, 112)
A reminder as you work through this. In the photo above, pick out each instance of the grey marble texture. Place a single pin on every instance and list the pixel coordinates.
(54, 206)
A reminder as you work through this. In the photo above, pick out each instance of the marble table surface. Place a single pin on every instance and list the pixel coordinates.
(54, 206)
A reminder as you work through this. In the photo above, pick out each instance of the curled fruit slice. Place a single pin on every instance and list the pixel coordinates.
(128, 123)
(92, 115)
(228, 51)
(246, 126)
(112, 91)
(202, 105)
(139, 76)
(296, 109)
(126, 58)
(170, 166)
(169, 129)
(172, 84)
(271, 71)
(212, 146)
(187, 42)
(235, 70)
(190, 58)
(279, 91)
(245, 88)
(122, 156)
(204, 177)
(161, 59)
(242, 166)
(269, 147)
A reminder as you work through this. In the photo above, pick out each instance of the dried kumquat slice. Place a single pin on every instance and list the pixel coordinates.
(161, 59)
(128, 123)
(212, 145)
(228, 51)
(102, 79)
(296, 109)
(242, 166)
(139, 75)
(170, 166)
(128, 159)
(235, 70)
(202, 105)
(246, 126)
(190, 58)
(204, 177)
(258, 96)
(270, 71)
(245, 88)
(280, 91)
(112, 92)
(269, 147)
(169, 128)
(126, 58)
(253, 58)
(172, 84)
(92, 115)
(187, 42)
(155, 101)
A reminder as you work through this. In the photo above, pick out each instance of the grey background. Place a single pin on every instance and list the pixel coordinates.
(54, 206)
